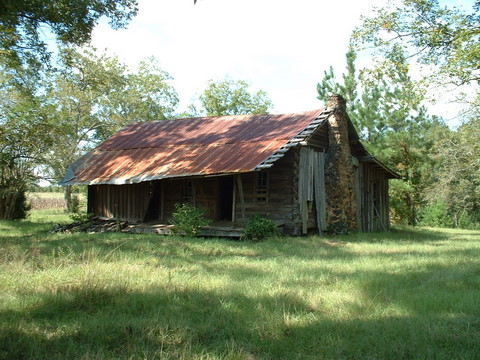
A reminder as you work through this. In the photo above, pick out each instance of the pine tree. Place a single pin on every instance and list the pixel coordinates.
(393, 124)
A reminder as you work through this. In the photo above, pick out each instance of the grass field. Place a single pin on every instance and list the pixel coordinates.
(407, 294)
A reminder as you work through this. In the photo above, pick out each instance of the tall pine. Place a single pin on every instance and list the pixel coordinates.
(392, 123)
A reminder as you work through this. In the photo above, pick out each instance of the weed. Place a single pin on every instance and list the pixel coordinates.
(259, 229)
(411, 293)
(187, 219)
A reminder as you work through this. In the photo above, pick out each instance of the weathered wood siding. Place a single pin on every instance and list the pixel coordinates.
(204, 194)
(311, 190)
(279, 204)
(154, 200)
(124, 202)
(295, 195)
(309, 182)
(319, 139)
(373, 198)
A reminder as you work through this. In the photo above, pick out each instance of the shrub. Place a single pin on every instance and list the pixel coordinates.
(81, 217)
(467, 220)
(259, 229)
(14, 204)
(74, 206)
(436, 215)
(187, 219)
(22, 206)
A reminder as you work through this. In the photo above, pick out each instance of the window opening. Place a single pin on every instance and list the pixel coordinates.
(187, 192)
(261, 187)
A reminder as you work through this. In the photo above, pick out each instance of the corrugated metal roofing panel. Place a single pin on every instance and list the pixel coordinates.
(204, 131)
(136, 165)
(197, 146)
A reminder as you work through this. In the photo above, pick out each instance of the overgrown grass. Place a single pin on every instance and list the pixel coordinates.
(408, 294)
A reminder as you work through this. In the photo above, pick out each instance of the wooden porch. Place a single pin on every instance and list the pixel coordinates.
(223, 229)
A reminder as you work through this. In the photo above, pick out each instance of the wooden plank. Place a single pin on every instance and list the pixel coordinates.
(234, 201)
(162, 200)
(359, 189)
(107, 201)
(310, 165)
(303, 188)
(242, 199)
(320, 200)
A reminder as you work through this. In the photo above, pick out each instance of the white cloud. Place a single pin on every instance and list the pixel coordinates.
(279, 46)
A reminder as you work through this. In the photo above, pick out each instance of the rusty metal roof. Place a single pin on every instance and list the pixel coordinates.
(197, 146)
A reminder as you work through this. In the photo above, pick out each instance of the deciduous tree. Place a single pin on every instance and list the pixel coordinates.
(24, 141)
(458, 175)
(230, 97)
(94, 95)
(22, 23)
(446, 38)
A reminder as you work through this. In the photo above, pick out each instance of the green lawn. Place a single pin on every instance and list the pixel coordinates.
(407, 294)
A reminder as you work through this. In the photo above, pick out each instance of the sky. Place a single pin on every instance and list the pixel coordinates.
(279, 46)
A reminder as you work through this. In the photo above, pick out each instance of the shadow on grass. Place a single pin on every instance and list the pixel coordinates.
(400, 234)
(113, 323)
(93, 321)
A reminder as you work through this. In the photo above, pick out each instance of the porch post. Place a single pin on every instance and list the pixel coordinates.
(242, 199)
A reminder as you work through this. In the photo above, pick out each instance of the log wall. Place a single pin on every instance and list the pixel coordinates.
(124, 202)
(279, 204)
(153, 200)
(295, 195)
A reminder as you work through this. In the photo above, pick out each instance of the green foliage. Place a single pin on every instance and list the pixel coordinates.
(187, 219)
(20, 206)
(429, 32)
(469, 220)
(74, 204)
(386, 109)
(259, 229)
(23, 25)
(458, 173)
(229, 97)
(444, 163)
(77, 213)
(436, 215)
(444, 38)
(94, 95)
(45, 126)
(81, 217)
(25, 136)
(348, 89)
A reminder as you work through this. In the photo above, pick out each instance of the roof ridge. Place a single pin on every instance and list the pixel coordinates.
(217, 117)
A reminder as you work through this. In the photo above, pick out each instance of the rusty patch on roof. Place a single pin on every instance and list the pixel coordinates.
(187, 147)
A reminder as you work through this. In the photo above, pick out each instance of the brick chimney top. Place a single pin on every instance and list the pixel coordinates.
(337, 102)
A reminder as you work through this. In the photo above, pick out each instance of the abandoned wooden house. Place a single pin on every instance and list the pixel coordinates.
(308, 172)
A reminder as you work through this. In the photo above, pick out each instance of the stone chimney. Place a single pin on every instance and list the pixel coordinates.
(339, 171)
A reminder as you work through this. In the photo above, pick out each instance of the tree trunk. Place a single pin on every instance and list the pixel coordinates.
(67, 196)
(7, 207)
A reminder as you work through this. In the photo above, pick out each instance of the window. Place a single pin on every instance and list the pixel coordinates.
(261, 186)
(187, 192)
